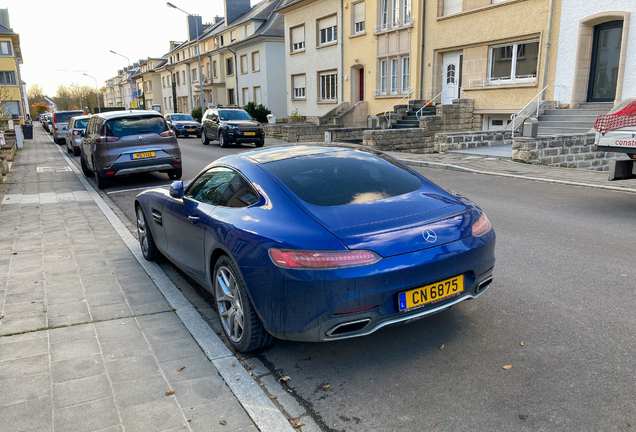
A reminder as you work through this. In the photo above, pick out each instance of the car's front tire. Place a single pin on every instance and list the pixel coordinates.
(76, 151)
(175, 174)
(204, 139)
(239, 320)
(146, 241)
(222, 140)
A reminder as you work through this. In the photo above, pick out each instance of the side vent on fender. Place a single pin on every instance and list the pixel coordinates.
(156, 215)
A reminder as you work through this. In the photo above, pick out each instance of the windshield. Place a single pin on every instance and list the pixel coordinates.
(234, 115)
(181, 117)
(64, 117)
(135, 125)
(81, 124)
(343, 177)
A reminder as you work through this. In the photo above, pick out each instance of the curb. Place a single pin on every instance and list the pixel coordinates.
(515, 176)
(263, 412)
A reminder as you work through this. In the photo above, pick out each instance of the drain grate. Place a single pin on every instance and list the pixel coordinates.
(53, 169)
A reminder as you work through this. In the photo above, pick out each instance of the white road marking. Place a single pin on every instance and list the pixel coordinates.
(134, 189)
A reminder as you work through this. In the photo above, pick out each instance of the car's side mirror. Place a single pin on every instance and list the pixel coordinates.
(176, 189)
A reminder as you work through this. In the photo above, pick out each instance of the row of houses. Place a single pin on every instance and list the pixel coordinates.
(308, 57)
(13, 93)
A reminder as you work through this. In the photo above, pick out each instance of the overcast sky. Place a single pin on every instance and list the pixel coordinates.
(59, 36)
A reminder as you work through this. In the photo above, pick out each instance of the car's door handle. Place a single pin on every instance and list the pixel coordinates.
(194, 219)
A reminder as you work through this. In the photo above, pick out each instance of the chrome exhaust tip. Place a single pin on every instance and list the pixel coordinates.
(348, 327)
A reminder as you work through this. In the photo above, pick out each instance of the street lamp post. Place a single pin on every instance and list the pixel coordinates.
(99, 108)
(170, 5)
(132, 91)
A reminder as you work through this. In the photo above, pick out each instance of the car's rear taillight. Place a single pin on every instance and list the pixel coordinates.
(106, 139)
(167, 133)
(304, 259)
(54, 118)
(77, 132)
(482, 226)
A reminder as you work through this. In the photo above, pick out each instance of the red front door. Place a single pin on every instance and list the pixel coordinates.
(361, 80)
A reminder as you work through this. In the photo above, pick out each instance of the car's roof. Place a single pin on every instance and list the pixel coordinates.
(130, 113)
(82, 117)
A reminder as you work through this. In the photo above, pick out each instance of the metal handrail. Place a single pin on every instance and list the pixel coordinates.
(408, 95)
(514, 116)
(418, 114)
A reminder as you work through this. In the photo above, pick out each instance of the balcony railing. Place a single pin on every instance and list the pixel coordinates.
(496, 82)
(389, 92)
(393, 25)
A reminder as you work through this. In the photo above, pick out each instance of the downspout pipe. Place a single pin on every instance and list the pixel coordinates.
(422, 54)
(236, 77)
(547, 50)
(342, 73)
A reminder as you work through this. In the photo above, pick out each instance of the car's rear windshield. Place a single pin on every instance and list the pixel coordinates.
(135, 125)
(343, 177)
(182, 117)
(64, 117)
(234, 115)
(80, 124)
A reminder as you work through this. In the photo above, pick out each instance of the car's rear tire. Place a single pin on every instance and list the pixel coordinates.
(76, 151)
(261, 143)
(85, 169)
(204, 138)
(102, 182)
(146, 241)
(222, 140)
(69, 149)
(175, 174)
(239, 320)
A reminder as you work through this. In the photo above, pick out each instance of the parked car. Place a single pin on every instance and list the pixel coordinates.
(120, 143)
(183, 124)
(231, 126)
(318, 243)
(45, 122)
(60, 124)
(76, 128)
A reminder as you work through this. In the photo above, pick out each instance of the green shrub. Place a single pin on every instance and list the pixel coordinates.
(259, 112)
(296, 117)
(197, 114)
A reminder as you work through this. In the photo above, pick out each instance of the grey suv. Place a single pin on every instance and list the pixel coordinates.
(231, 126)
(120, 143)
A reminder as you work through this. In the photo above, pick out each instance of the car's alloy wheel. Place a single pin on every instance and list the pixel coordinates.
(102, 182)
(238, 318)
(147, 243)
(222, 140)
(204, 138)
(85, 169)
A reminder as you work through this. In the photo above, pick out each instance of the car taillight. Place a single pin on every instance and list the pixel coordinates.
(106, 139)
(167, 133)
(77, 132)
(55, 127)
(300, 259)
(54, 118)
(482, 226)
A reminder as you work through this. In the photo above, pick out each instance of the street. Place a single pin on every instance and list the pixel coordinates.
(560, 312)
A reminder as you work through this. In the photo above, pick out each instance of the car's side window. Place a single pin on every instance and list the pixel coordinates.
(223, 187)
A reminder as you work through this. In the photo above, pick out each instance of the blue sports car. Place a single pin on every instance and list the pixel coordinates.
(318, 243)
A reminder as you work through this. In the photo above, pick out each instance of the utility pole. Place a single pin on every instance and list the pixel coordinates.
(133, 94)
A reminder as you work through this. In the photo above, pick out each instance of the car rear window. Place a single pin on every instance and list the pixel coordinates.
(135, 125)
(343, 177)
(81, 124)
(65, 117)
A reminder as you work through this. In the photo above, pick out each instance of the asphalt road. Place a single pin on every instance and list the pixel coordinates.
(564, 286)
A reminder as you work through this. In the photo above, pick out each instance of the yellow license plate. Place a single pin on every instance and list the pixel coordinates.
(142, 155)
(432, 293)
(249, 133)
(192, 130)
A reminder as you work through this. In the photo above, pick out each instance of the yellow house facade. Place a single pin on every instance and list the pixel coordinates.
(10, 82)
(382, 52)
(492, 51)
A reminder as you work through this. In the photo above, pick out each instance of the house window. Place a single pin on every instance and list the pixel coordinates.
(384, 14)
(222, 41)
(7, 78)
(328, 89)
(452, 6)
(450, 73)
(298, 83)
(165, 102)
(193, 73)
(358, 18)
(229, 67)
(244, 64)
(395, 13)
(207, 70)
(256, 61)
(163, 82)
(516, 62)
(298, 38)
(10, 108)
(205, 47)
(383, 68)
(177, 56)
(214, 68)
(246, 95)
(394, 75)
(230, 97)
(183, 77)
(406, 62)
(5, 48)
(406, 11)
(328, 30)
(257, 95)
(232, 36)
(168, 80)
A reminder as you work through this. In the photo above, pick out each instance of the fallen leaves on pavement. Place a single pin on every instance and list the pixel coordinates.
(295, 423)
(273, 397)
(170, 392)
(223, 422)
(434, 424)
(249, 368)
(506, 367)
(180, 369)
(522, 343)
(261, 384)
(285, 378)
(326, 386)
(441, 347)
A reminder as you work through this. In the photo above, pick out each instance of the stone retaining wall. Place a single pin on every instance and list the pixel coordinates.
(414, 140)
(569, 151)
(465, 140)
(341, 134)
(297, 132)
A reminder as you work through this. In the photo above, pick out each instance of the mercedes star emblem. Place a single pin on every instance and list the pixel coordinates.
(429, 236)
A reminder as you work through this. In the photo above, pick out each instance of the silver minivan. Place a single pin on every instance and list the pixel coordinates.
(76, 128)
(121, 143)
(59, 125)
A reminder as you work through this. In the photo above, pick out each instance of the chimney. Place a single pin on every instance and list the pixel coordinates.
(234, 9)
(216, 19)
(195, 25)
(4, 18)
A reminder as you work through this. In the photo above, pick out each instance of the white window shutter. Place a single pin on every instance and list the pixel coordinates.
(452, 6)
(331, 21)
(299, 81)
(298, 34)
(358, 12)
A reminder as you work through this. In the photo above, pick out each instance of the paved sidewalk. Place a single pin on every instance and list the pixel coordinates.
(87, 341)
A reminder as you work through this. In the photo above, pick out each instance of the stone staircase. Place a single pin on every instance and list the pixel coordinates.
(408, 119)
(331, 118)
(572, 121)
